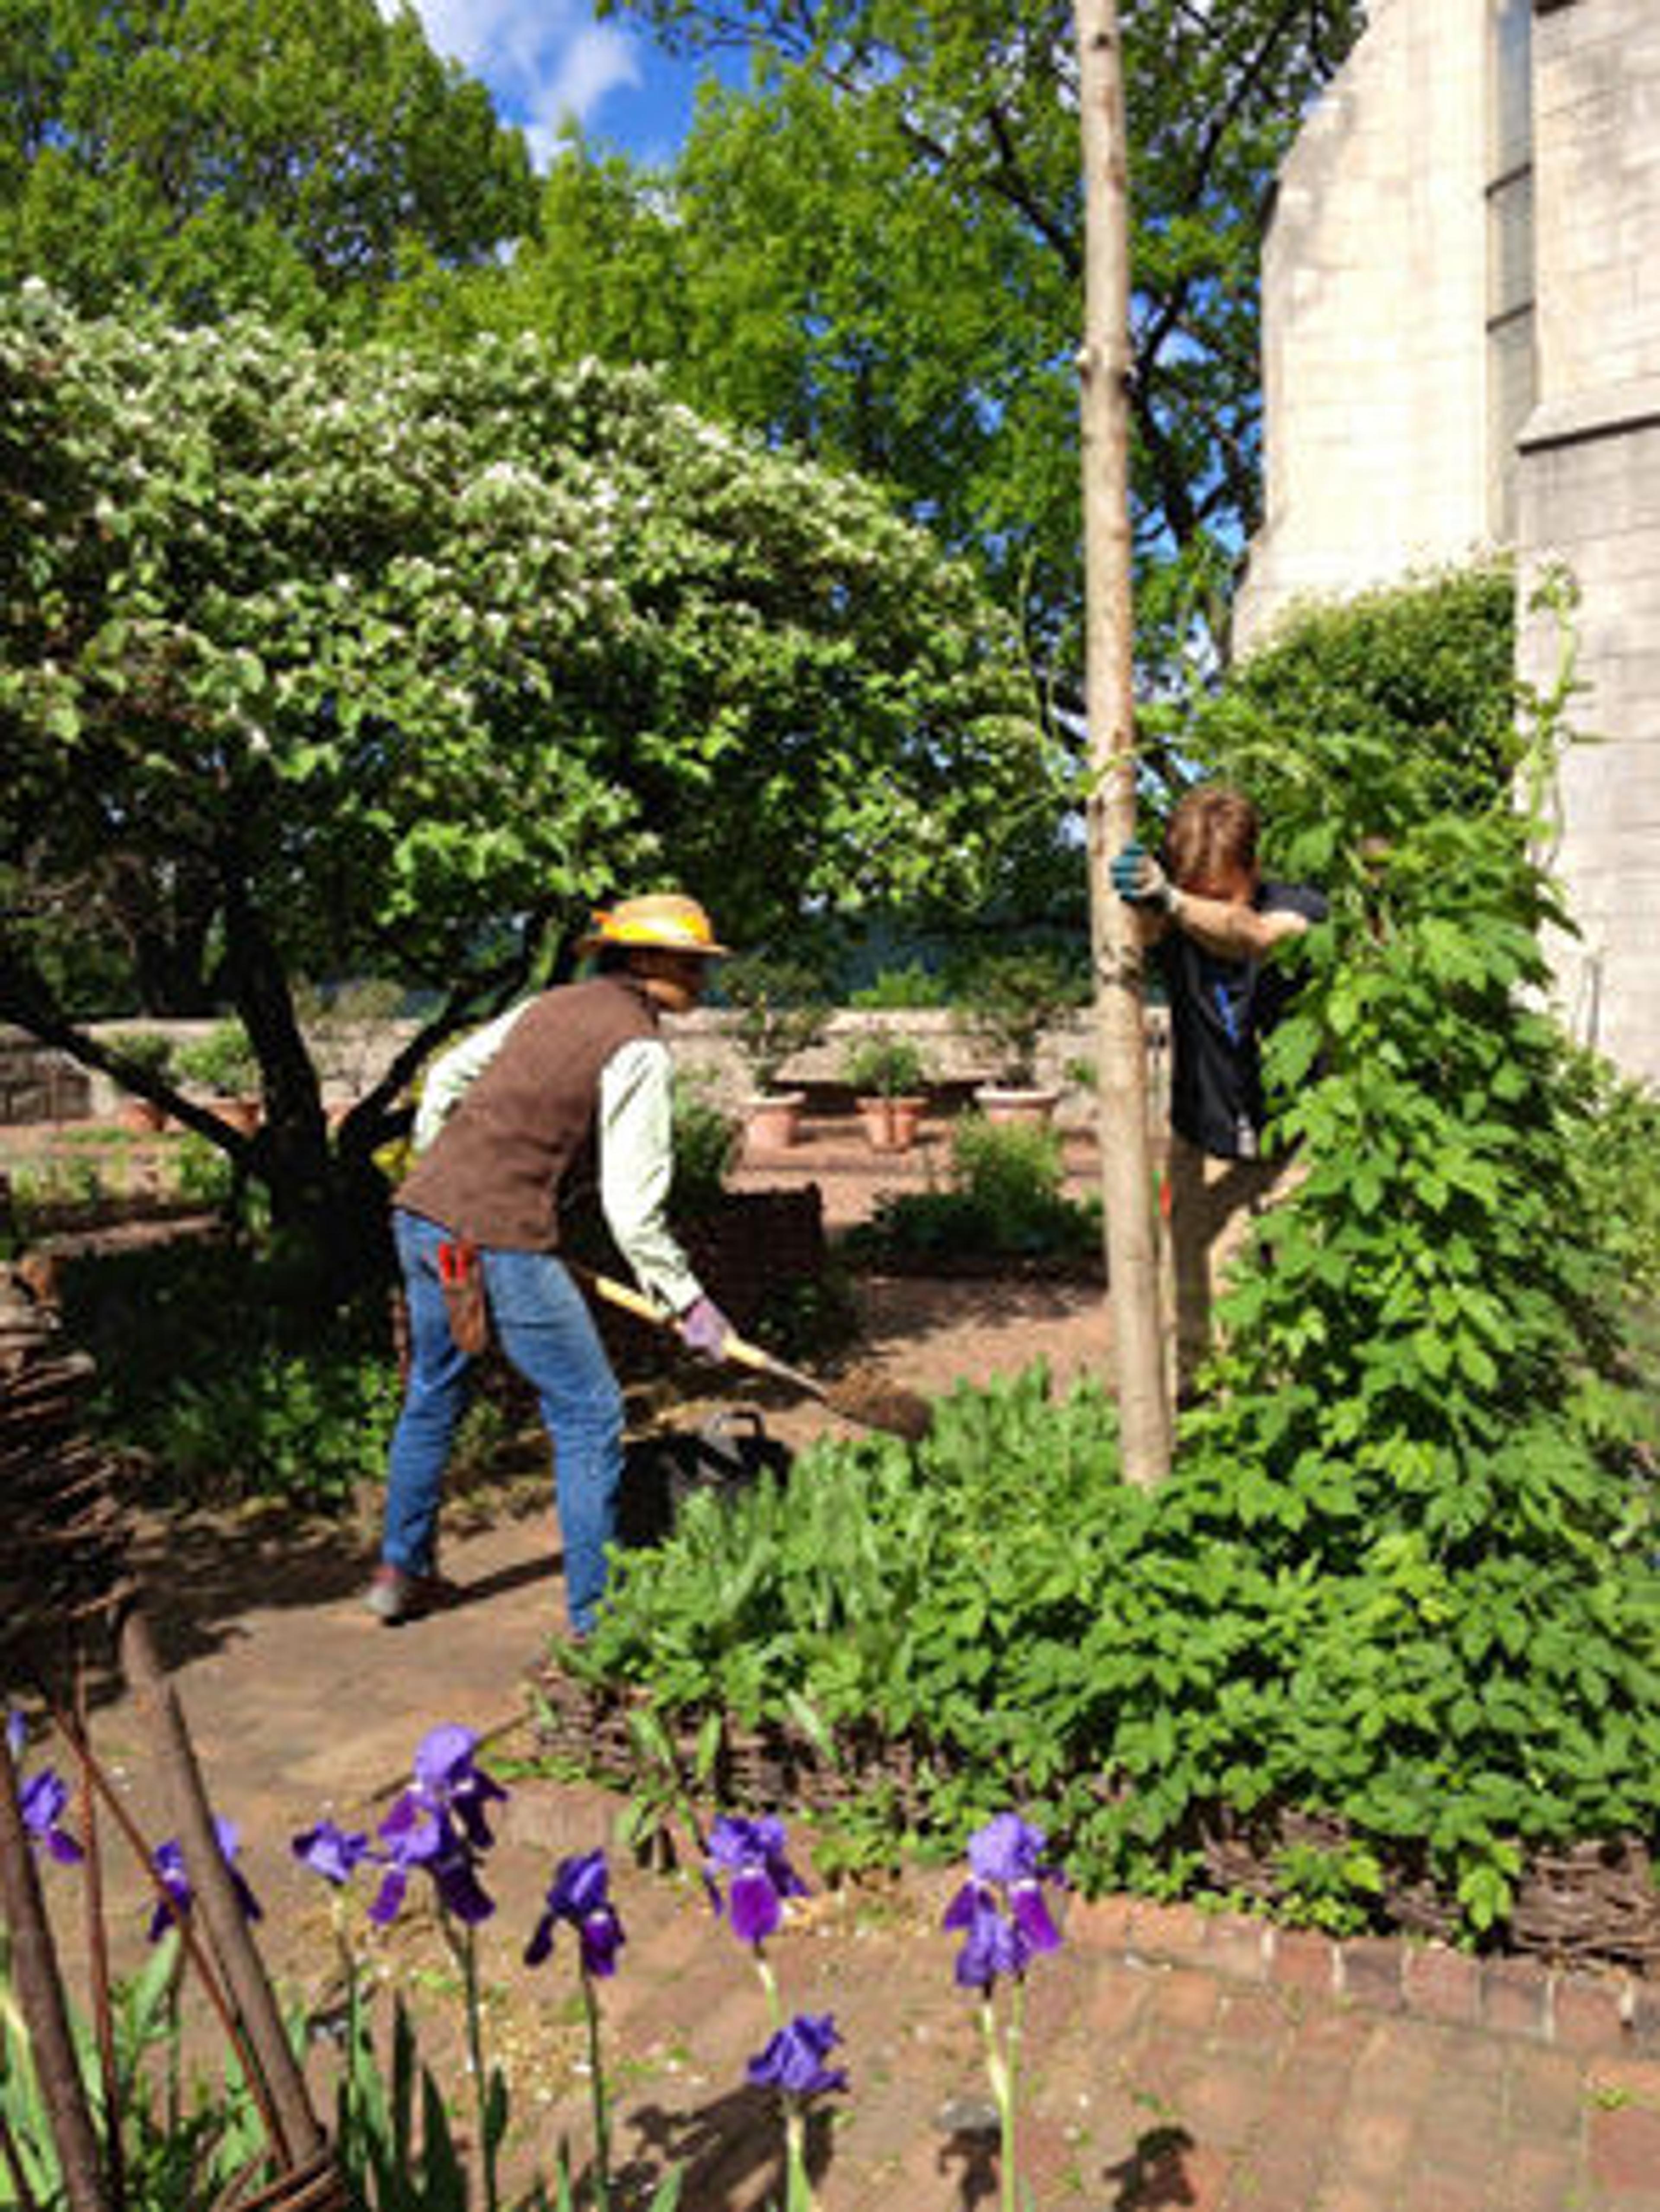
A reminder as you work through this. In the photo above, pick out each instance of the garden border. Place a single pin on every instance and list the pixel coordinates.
(1583, 2008)
(1571, 2009)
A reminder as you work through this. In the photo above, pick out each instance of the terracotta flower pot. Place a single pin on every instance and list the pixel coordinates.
(243, 1114)
(771, 1122)
(142, 1115)
(891, 1123)
(1031, 1107)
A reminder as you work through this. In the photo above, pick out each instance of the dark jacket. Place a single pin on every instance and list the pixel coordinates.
(1219, 1012)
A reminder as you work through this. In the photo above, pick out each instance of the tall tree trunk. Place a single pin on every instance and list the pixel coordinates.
(1127, 1182)
(330, 1201)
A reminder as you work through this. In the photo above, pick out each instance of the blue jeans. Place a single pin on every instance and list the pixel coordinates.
(546, 1331)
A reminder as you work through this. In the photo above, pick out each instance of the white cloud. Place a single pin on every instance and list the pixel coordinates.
(544, 60)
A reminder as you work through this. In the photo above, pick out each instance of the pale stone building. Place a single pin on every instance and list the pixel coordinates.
(1462, 350)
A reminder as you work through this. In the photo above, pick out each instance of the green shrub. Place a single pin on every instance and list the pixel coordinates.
(781, 1011)
(303, 1427)
(1612, 1126)
(208, 1365)
(151, 1051)
(1125, 1664)
(223, 1061)
(886, 1066)
(1404, 1577)
(1365, 719)
(1004, 1199)
(902, 990)
(1012, 1000)
(43, 1192)
(706, 1142)
(202, 1173)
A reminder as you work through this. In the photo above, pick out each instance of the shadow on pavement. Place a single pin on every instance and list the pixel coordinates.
(721, 2146)
(1153, 2178)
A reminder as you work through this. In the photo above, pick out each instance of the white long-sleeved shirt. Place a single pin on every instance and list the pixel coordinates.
(636, 1146)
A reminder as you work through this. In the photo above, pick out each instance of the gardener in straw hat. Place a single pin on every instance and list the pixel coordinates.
(578, 1070)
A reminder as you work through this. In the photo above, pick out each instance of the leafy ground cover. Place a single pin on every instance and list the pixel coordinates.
(225, 1385)
(1137, 1666)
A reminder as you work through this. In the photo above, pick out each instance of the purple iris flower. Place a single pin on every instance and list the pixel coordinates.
(793, 2060)
(580, 1897)
(329, 1850)
(170, 1865)
(439, 1825)
(417, 1837)
(991, 1945)
(446, 1778)
(1006, 1850)
(1001, 1909)
(17, 1733)
(44, 1797)
(750, 1853)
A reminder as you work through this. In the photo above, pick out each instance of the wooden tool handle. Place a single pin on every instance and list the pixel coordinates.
(735, 1347)
(631, 1301)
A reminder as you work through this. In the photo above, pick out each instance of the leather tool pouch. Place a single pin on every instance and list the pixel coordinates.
(462, 1274)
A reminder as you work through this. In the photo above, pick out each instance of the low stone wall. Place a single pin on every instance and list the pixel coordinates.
(956, 1059)
(40, 1085)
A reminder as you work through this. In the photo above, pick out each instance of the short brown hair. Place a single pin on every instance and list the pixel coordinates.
(1212, 832)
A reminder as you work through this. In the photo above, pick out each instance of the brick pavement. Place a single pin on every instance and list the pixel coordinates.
(1173, 2061)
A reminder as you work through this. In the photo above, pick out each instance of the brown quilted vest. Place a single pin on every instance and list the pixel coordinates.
(496, 1170)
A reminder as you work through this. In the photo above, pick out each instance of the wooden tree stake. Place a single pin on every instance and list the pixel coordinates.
(1104, 363)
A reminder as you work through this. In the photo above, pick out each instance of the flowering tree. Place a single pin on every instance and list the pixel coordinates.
(324, 662)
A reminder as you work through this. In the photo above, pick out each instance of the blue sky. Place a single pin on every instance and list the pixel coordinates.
(545, 60)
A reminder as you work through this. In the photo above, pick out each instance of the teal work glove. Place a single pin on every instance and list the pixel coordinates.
(1140, 881)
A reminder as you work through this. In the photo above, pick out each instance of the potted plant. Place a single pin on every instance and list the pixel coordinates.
(224, 1064)
(1012, 1000)
(148, 1052)
(781, 1011)
(889, 1076)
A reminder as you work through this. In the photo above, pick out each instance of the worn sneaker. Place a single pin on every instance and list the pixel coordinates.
(395, 1595)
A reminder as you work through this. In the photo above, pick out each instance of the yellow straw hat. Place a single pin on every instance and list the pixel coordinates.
(665, 918)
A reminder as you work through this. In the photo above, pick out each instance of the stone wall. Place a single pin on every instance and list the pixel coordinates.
(1374, 301)
(39, 1086)
(1379, 439)
(1591, 497)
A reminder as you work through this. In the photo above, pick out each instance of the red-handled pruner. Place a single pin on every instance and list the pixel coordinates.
(458, 1261)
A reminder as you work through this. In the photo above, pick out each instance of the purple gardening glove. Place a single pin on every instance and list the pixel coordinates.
(704, 1328)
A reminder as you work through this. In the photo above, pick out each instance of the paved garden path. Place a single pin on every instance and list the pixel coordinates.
(1172, 2062)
